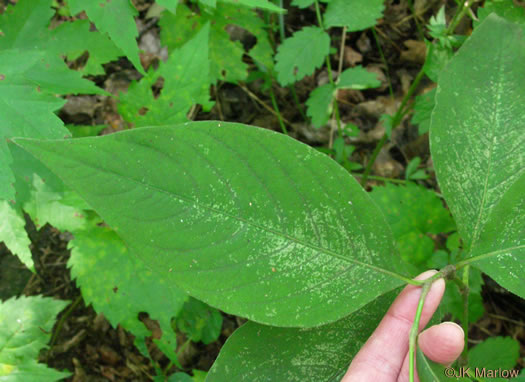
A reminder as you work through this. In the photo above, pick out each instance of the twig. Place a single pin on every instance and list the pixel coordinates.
(263, 104)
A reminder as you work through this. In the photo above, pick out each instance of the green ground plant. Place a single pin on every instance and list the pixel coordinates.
(201, 216)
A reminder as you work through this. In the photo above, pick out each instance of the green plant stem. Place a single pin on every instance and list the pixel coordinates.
(446, 273)
(328, 67)
(458, 16)
(396, 120)
(63, 319)
(415, 330)
(277, 111)
(390, 90)
(420, 30)
(464, 323)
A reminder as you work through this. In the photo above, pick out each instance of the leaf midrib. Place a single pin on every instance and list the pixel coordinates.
(238, 218)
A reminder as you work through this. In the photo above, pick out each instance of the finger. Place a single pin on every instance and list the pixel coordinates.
(441, 343)
(381, 358)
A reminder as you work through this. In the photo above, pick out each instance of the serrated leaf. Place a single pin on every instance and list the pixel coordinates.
(186, 83)
(358, 78)
(25, 27)
(436, 60)
(96, 254)
(263, 353)
(225, 55)
(495, 353)
(437, 24)
(355, 15)
(117, 19)
(73, 39)
(13, 234)
(45, 206)
(301, 54)
(199, 321)
(478, 148)
(29, 81)
(422, 110)
(413, 212)
(319, 104)
(281, 233)
(25, 328)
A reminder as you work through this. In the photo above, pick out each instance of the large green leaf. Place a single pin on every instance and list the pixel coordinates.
(245, 219)
(260, 353)
(25, 327)
(116, 18)
(478, 146)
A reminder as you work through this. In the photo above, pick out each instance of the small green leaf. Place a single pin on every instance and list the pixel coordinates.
(436, 60)
(264, 353)
(25, 328)
(319, 104)
(412, 172)
(453, 301)
(355, 15)
(422, 110)
(45, 206)
(301, 54)
(13, 233)
(73, 39)
(199, 321)
(117, 19)
(289, 234)
(358, 78)
(495, 353)
(437, 24)
(478, 147)
(186, 83)
(413, 212)
(225, 55)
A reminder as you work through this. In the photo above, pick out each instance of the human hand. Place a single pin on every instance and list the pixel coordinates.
(384, 357)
